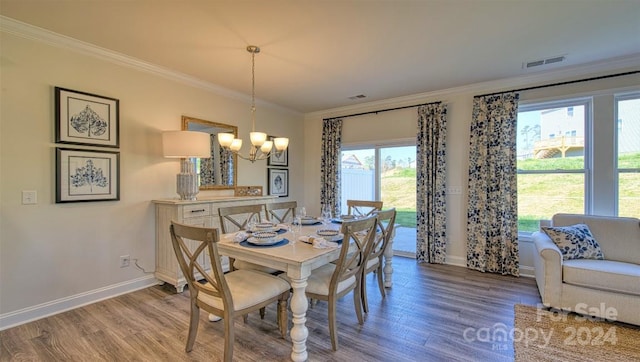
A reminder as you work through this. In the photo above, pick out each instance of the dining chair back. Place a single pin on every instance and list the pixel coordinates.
(386, 221)
(234, 218)
(281, 212)
(363, 208)
(225, 295)
(334, 280)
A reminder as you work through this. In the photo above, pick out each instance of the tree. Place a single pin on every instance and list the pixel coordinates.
(88, 175)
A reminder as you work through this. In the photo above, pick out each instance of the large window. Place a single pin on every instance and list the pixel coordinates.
(628, 154)
(551, 160)
(575, 156)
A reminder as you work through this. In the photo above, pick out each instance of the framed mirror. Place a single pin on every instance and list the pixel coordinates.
(220, 171)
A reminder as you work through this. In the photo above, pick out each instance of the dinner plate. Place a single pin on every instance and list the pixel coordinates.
(309, 221)
(337, 237)
(256, 241)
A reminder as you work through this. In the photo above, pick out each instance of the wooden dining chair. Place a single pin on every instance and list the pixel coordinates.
(281, 212)
(229, 295)
(333, 281)
(386, 221)
(236, 218)
(363, 208)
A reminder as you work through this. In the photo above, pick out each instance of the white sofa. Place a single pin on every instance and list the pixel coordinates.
(589, 286)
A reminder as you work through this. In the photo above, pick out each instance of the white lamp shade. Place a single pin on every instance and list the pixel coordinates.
(281, 143)
(236, 145)
(225, 139)
(185, 144)
(266, 146)
(257, 138)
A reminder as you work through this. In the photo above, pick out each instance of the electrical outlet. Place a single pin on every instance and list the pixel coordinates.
(125, 260)
(29, 197)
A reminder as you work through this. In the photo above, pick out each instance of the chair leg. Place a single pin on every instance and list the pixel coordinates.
(381, 281)
(357, 300)
(228, 338)
(283, 317)
(333, 328)
(262, 311)
(193, 325)
(363, 293)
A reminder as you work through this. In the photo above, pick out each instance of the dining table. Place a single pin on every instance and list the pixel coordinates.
(297, 259)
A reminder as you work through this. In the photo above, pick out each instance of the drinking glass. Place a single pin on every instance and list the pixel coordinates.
(295, 228)
(302, 212)
(326, 215)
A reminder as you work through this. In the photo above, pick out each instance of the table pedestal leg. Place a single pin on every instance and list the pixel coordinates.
(299, 331)
(388, 261)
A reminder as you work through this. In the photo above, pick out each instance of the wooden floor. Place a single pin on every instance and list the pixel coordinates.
(423, 318)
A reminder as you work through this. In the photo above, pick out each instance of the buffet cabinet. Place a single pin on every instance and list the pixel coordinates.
(199, 213)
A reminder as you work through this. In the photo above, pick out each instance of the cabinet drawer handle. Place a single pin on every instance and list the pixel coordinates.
(201, 210)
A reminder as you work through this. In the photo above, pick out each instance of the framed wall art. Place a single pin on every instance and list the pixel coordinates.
(86, 119)
(278, 182)
(86, 175)
(281, 159)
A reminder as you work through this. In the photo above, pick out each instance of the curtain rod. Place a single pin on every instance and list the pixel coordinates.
(561, 83)
(380, 111)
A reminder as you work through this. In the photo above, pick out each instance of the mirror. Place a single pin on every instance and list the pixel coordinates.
(219, 171)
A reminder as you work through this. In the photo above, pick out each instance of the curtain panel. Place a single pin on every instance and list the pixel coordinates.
(492, 218)
(431, 206)
(330, 164)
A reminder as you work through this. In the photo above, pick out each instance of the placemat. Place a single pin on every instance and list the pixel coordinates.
(247, 244)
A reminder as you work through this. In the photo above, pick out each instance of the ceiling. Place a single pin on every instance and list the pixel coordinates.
(317, 54)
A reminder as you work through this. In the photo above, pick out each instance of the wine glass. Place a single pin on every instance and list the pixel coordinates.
(303, 211)
(251, 223)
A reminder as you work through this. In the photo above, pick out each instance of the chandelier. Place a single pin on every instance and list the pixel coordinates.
(261, 148)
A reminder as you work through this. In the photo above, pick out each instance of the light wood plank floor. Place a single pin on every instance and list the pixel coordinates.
(423, 318)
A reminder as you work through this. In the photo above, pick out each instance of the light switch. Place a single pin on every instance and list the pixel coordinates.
(29, 197)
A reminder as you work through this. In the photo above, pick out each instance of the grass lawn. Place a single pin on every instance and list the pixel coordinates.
(539, 195)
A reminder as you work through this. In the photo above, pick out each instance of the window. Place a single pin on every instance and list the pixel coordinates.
(569, 160)
(551, 169)
(628, 154)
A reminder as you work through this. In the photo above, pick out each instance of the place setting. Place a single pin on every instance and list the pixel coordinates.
(323, 238)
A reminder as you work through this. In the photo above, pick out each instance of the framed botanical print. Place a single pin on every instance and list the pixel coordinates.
(86, 119)
(86, 175)
(278, 158)
(278, 179)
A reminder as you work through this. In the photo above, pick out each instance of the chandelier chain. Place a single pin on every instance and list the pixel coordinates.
(253, 91)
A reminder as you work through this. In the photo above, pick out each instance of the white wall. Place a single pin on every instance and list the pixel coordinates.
(402, 124)
(57, 256)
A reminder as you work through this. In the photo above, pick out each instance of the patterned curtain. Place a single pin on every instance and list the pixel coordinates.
(492, 217)
(207, 168)
(431, 183)
(330, 164)
(226, 166)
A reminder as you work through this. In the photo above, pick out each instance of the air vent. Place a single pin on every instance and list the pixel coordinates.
(540, 62)
(359, 96)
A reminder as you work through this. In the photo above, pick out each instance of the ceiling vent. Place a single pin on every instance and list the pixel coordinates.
(540, 62)
(359, 96)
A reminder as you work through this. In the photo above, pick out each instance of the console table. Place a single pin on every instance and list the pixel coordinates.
(203, 213)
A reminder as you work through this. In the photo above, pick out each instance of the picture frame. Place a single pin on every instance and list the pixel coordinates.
(87, 175)
(281, 159)
(278, 182)
(86, 119)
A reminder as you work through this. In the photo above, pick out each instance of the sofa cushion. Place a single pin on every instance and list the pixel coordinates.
(613, 276)
(574, 241)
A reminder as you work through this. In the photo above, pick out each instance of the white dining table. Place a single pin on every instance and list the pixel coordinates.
(298, 260)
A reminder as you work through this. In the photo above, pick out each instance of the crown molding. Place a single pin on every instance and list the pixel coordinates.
(620, 64)
(28, 31)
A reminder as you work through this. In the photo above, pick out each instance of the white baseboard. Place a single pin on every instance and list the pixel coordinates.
(525, 270)
(12, 319)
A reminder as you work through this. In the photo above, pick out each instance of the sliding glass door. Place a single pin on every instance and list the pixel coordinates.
(386, 173)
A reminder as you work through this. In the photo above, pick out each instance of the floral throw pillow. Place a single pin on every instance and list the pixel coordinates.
(575, 241)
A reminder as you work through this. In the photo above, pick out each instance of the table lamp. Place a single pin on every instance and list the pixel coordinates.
(186, 145)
